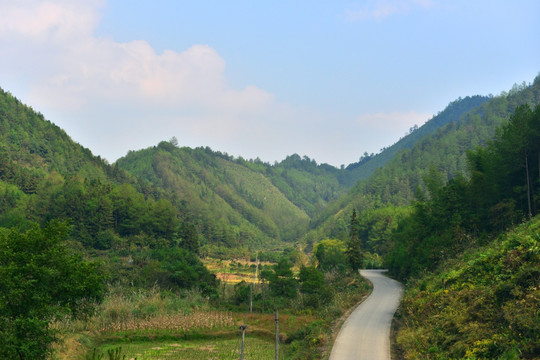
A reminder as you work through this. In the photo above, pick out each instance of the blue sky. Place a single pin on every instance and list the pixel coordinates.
(326, 79)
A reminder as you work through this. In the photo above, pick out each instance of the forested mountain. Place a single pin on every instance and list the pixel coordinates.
(236, 202)
(31, 147)
(443, 152)
(473, 273)
(369, 163)
(45, 178)
(309, 185)
(231, 202)
(220, 194)
(44, 175)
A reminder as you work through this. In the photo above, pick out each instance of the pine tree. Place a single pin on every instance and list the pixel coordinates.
(354, 250)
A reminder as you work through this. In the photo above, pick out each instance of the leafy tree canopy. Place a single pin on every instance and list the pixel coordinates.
(41, 279)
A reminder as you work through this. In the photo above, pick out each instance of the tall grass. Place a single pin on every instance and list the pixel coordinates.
(156, 310)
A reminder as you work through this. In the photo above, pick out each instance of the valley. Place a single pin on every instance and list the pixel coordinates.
(168, 251)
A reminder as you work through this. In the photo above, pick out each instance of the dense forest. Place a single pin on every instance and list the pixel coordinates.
(455, 197)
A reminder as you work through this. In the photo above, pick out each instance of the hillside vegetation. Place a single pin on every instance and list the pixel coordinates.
(482, 305)
(443, 151)
(475, 289)
(369, 163)
(239, 203)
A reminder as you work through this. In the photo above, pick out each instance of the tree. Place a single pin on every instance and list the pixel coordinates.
(40, 280)
(282, 282)
(189, 237)
(354, 250)
(177, 268)
(312, 285)
(330, 255)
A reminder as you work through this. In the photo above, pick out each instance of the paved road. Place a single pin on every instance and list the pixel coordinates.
(366, 333)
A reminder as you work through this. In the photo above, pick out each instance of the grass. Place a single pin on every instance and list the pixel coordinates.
(158, 324)
(255, 348)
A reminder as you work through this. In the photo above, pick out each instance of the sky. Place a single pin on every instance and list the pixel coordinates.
(326, 79)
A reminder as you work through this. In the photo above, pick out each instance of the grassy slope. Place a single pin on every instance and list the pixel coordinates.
(483, 305)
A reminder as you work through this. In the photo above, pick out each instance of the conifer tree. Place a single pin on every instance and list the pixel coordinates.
(354, 250)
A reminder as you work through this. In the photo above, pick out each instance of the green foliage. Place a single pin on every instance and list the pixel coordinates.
(330, 255)
(354, 249)
(172, 268)
(504, 184)
(40, 279)
(443, 148)
(282, 282)
(484, 305)
(312, 287)
(232, 203)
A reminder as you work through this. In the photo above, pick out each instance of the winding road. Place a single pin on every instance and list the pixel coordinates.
(366, 332)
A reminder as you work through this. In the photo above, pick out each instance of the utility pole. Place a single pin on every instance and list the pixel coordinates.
(277, 336)
(243, 328)
(252, 288)
(262, 295)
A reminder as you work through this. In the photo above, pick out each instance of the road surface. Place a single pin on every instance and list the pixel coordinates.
(366, 332)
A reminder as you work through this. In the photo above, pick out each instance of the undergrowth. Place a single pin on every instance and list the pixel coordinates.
(482, 306)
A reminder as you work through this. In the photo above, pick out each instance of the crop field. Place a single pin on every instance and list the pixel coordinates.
(233, 272)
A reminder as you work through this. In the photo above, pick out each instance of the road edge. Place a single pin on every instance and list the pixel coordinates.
(336, 327)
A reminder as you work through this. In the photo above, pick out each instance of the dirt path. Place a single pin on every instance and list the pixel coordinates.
(366, 333)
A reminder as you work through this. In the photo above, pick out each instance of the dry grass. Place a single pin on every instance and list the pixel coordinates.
(178, 323)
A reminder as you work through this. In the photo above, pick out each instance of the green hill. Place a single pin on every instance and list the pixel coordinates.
(45, 175)
(369, 163)
(443, 151)
(232, 204)
(31, 147)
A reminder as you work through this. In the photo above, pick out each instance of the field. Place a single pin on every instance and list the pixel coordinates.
(220, 348)
(232, 271)
(160, 324)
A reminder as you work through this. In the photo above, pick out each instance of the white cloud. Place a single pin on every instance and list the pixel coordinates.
(43, 19)
(83, 68)
(94, 86)
(115, 96)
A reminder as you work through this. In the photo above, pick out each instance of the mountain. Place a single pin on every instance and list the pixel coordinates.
(369, 163)
(31, 147)
(232, 202)
(235, 202)
(469, 252)
(45, 175)
(442, 151)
